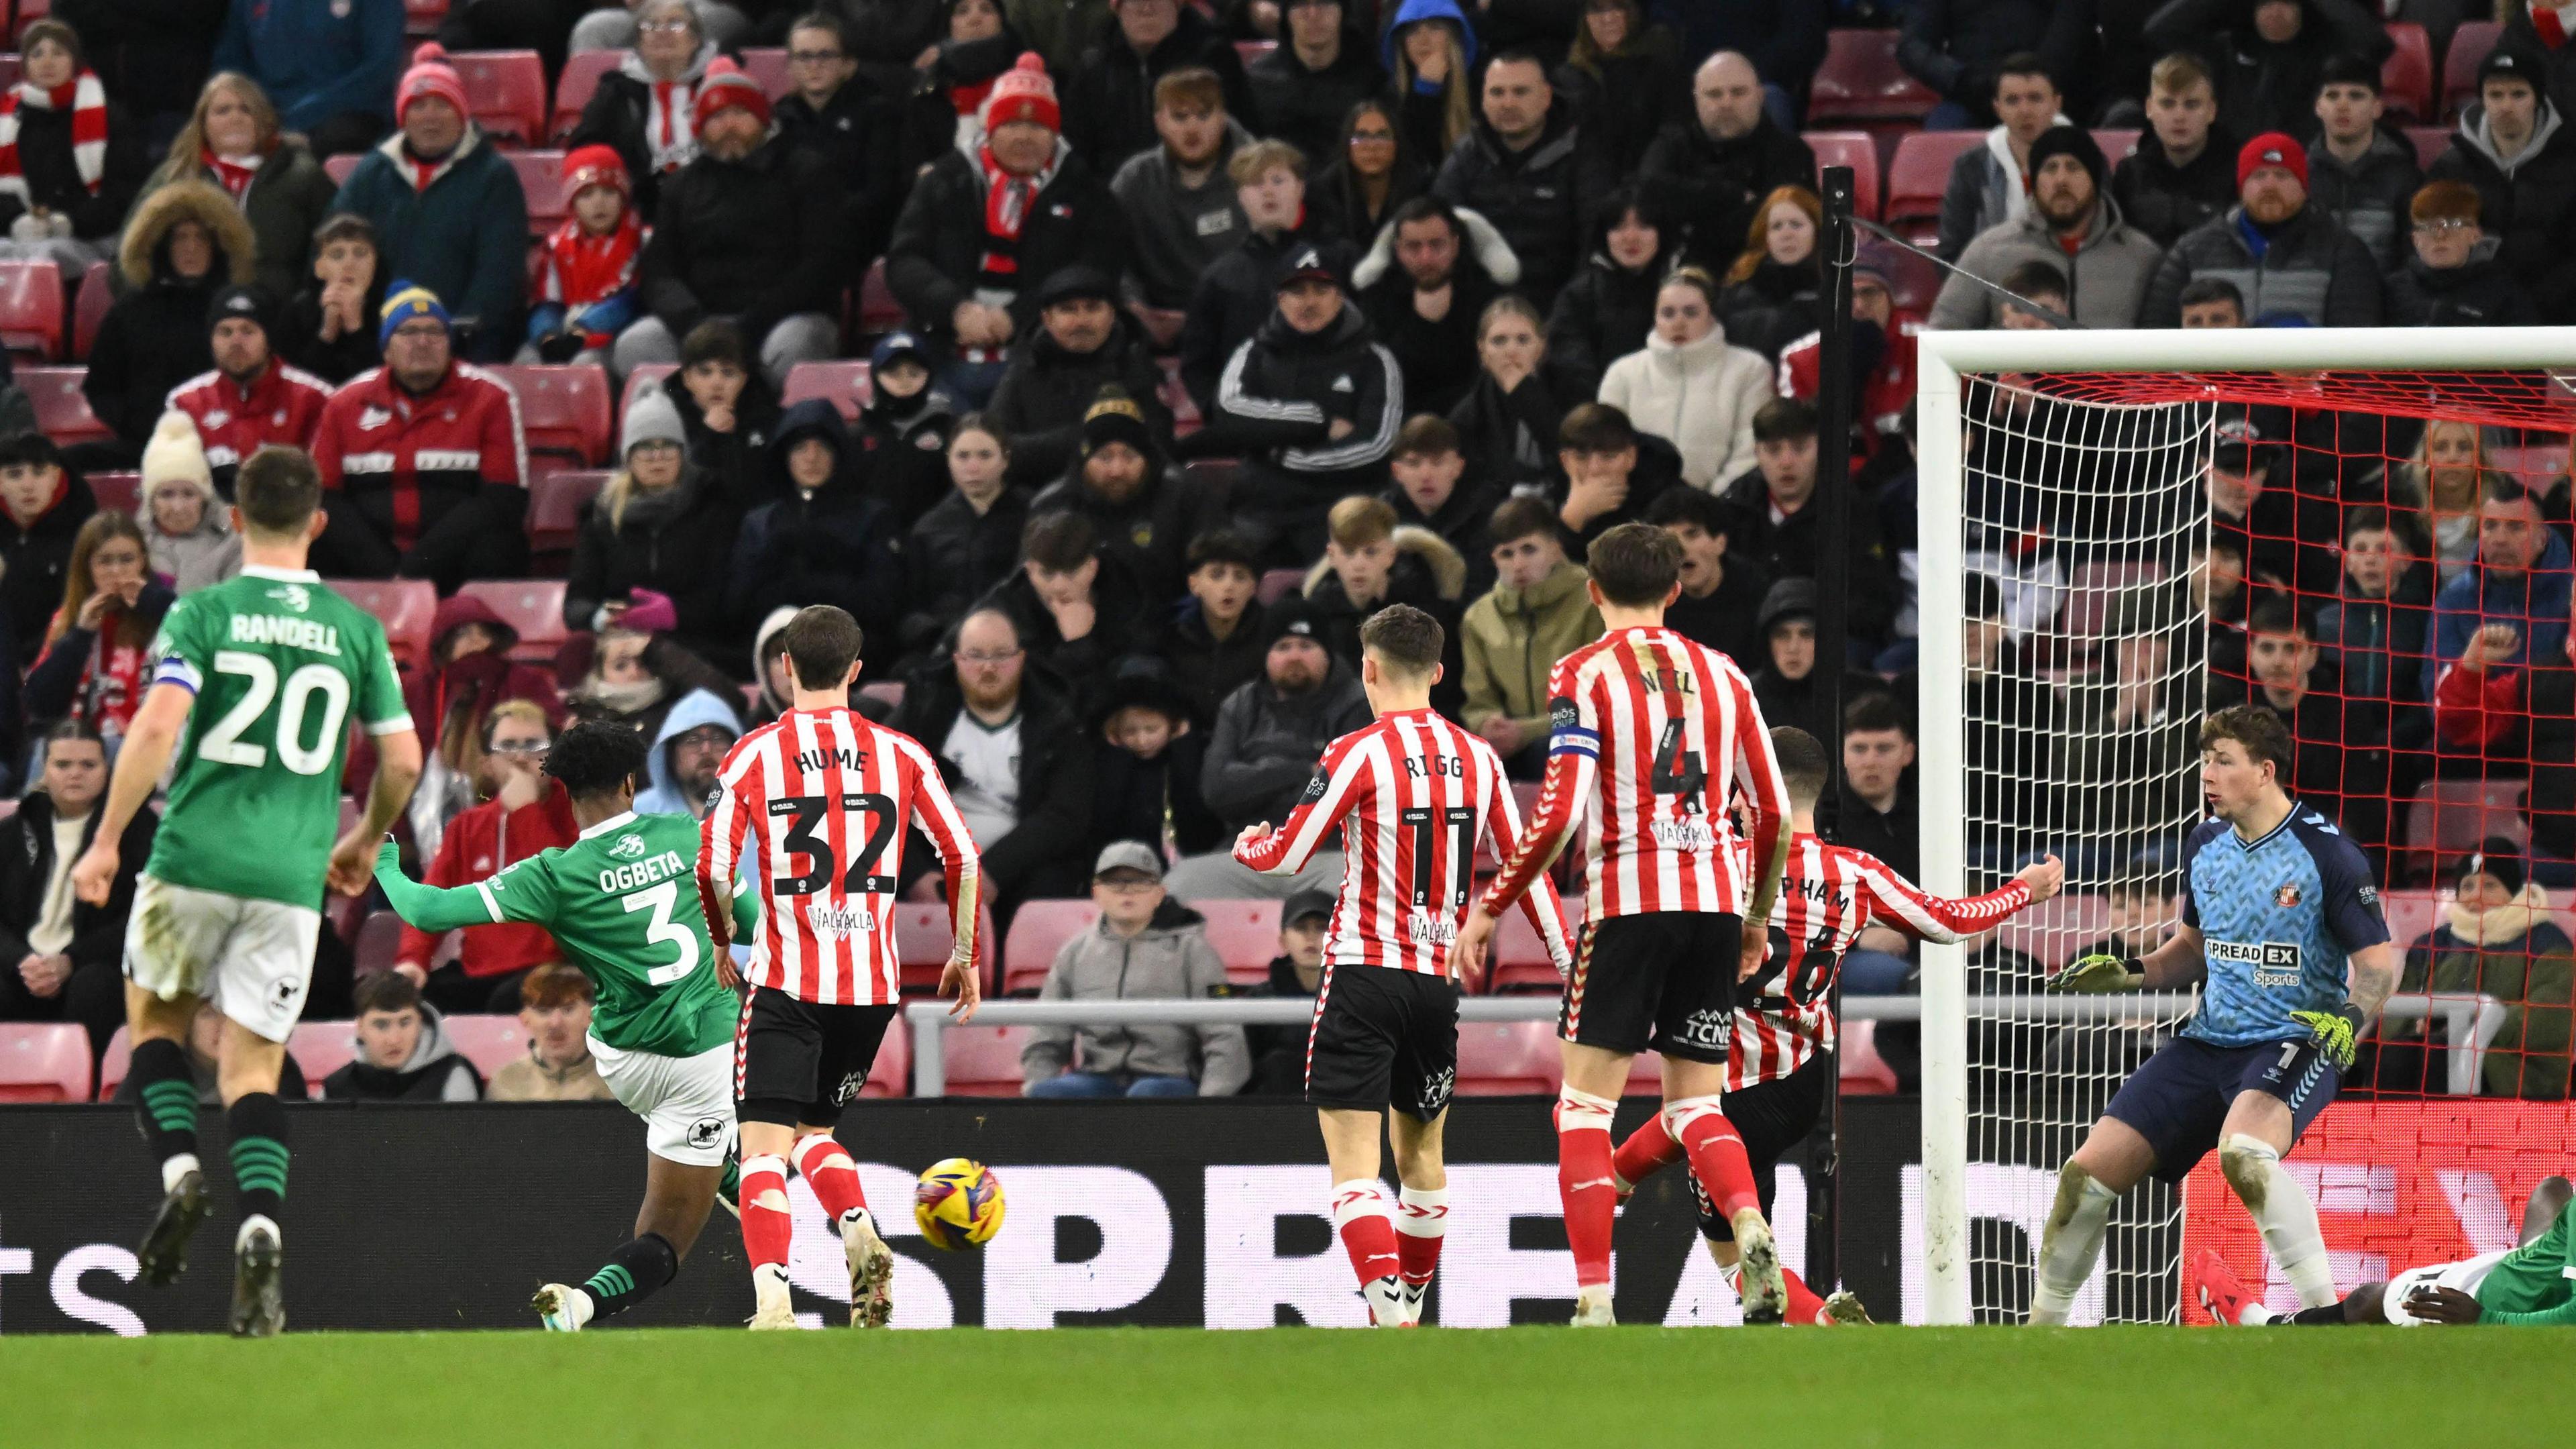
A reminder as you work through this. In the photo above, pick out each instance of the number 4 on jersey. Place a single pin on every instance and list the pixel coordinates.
(1677, 771)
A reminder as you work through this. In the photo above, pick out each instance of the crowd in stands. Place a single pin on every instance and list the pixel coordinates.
(1110, 360)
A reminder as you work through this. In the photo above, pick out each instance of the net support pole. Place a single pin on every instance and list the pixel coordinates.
(1940, 600)
(1833, 630)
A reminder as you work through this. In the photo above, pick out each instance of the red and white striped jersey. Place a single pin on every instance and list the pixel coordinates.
(1828, 894)
(814, 809)
(1418, 793)
(1649, 736)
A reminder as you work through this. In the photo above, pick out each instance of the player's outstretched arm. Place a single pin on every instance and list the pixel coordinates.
(397, 771)
(1895, 901)
(140, 763)
(1328, 796)
(426, 906)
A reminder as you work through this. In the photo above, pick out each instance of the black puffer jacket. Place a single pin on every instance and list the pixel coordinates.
(1509, 438)
(2164, 200)
(1439, 358)
(2370, 197)
(836, 545)
(905, 443)
(953, 557)
(1541, 199)
(1207, 668)
(1710, 187)
(855, 136)
(1305, 107)
(2529, 207)
(1235, 296)
(737, 463)
(287, 198)
(931, 263)
(682, 553)
(1046, 390)
(33, 561)
(1280, 394)
(753, 239)
(1109, 98)
(2479, 294)
(1603, 315)
(154, 337)
(1628, 99)
(2263, 86)
(1123, 623)
(1955, 46)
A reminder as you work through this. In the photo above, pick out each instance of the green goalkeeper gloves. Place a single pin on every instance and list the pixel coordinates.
(2333, 1032)
(2099, 975)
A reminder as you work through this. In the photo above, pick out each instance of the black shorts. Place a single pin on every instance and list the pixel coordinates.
(1663, 981)
(1772, 1117)
(798, 1062)
(1383, 1038)
(2179, 1099)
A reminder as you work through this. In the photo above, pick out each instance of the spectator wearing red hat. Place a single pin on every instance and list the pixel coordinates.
(980, 233)
(2289, 261)
(328, 64)
(447, 209)
(586, 276)
(749, 231)
(646, 108)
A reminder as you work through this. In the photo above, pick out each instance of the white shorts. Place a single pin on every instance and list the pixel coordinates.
(686, 1102)
(2464, 1275)
(252, 958)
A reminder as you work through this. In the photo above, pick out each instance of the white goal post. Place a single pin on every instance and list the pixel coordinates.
(1948, 364)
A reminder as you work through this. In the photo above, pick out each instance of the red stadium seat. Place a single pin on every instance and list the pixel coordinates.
(2453, 816)
(844, 382)
(321, 1048)
(767, 64)
(1040, 928)
(1521, 963)
(2469, 46)
(28, 12)
(573, 89)
(12, 66)
(2115, 144)
(31, 309)
(555, 505)
(879, 312)
(1508, 1059)
(1856, 150)
(404, 606)
(44, 1061)
(62, 409)
(122, 492)
(379, 937)
(115, 1063)
(1277, 584)
(534, 607)
(489, 1042)
(888, 691)
(2054, 930)
(508, 88)
(1919, 176)
(1245, 935)
(541, 180)
(2095, 586)
(922, 941)
(89, 309)
(2406, 77)
(1252, 50)
(983, 1061)
(1864, 1072)
(1861, 81)
(565, 410)
(2429, 142)
(891, 1074)
(340, 167)
(421, 17)
(1916, 280)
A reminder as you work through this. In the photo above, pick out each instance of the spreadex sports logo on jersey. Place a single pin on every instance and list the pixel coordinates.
(627, 847)
(2275, 963)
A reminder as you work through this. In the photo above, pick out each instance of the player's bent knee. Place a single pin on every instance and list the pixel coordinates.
(2247, 1163)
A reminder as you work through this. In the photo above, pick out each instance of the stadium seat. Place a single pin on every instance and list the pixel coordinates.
(1040, 928)
(2115, 143)
(490, 1042)
(1864, 1072)
(31, 309)
(767, 64)
(1214, 478)
(533, 607)
(1861, 81)
(1246, 937)
(421, 17)
(1521, 963)
(2450, 817)
(564, 410)
(1252, 50)
(340, 167)
(1508, 1059)
(404, 606)
(1277, 584)
(321, 1048)
(44, 1061)
(890, 1075)
(1920, 174)
(2412, 914)
(62, 409)
(983, 1061)
(12, 66)
(556, 503)
(2469, 46)
(25, 13)
(573, 89)
(888, 690)
(122, 492)
(1856, 150)
(2406, 77)
(1916, 280)
(508, 88)
(379, 936)
(89, 308)
(2429, 142)
(541, 181)
(114, 1063)
(844, 382)
(922, 941)
(879, 312)
(2054, 930)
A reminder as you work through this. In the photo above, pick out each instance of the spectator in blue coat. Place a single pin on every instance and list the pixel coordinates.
(328, 64)
(2520, 584)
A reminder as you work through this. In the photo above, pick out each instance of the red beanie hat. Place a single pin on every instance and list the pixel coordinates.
(2272, 148)
(595, 165)
(430, 75)
(725, 85)
(1022, 93)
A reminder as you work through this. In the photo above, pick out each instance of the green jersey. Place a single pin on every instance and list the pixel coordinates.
(622, 903)
(2535, 1283)
(279, 665)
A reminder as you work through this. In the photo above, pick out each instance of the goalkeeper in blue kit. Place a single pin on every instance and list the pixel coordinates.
(2281, 927)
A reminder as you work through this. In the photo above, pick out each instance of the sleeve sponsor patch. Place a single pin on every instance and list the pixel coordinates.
(1566, 734)
(1317, 786)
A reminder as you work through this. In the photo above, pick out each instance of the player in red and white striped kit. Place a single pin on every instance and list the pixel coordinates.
(1649, 736)
(1778, 1074)
(1412, 794)
(812, 811)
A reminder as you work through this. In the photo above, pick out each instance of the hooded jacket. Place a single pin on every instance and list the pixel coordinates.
(1109, 97)
(477, 845)
(2369, 197)
(1277, 399)
(1604, 313)
(737, 464)
(769, 704)
(620, 112)
(2262, 86)
(755, 239)
(2308, 268)
(835, 545)
(1710, 187)
(1987, 188)
(434, 1072)
(1207, 669)
(154, 336)
(2518, 955)
(463, 234)
(1788, 548)
(2528, 206)
(1438, 358)
(662, 794)
(903, 449)
(1266, 744)
(954, 556)
(931, 264)
(1170, 958)
(287, 198)
(1624, 100)
(1045, 391)
(1055, 768)
(2534, 603)
(1427, 574)
(1513, 638)
(1540, 199)
(2163, 200)
(2477, 293)
(1699, 396)
(27, 866)
(477, 681)
(856, 135)
(681, 550)
(2107, 277)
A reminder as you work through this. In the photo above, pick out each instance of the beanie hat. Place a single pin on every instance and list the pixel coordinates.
(2072, 141)
(430, 75)
(2499, 857)
(727, 85)
(239, 301)
(1022, 93)
(2272, 148)
(2509, 60)
(594, 165)
(1290, 616)
(1115, 418)
(175, 454)
(652, 418)
(404, 302)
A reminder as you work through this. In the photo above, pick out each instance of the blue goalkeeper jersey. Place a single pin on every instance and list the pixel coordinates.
(2277, 918)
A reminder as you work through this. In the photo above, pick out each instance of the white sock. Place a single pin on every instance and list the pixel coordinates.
(1422, 1212)
(175, 1167)
(2070, 1244)
(256, 1222)
(2281, 1209)
(2256, 1314)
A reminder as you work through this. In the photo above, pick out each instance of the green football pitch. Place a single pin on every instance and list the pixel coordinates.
(1986, 1388)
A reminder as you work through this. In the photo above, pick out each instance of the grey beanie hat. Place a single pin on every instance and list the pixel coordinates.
(652, 418)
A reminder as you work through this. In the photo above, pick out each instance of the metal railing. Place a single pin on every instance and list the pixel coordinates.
(2467, 1019)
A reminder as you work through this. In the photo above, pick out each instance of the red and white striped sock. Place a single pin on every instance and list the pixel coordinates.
(833, 1176)
(1368, 1234)
(1716, 1154)
(1583, 1180)
(1649, 1150)
(1421, 1220)
(767, 1224)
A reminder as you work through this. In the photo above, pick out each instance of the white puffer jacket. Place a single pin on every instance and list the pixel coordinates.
(1698, 396)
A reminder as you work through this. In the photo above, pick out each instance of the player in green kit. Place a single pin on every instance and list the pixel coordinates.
(255, 682)
(622, 902)
(2533, 1285)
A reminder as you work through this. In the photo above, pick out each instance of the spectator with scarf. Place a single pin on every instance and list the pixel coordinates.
(232, 140)
(646, 109)
(69, 157)
(586, 274)
(98, 646)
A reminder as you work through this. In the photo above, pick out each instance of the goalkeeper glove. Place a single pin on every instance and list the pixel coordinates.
(2100, 974)
(2333, 1032)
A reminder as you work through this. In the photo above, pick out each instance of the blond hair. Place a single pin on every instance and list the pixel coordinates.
(1360, 520)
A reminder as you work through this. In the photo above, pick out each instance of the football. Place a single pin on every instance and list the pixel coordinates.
(958, 1204)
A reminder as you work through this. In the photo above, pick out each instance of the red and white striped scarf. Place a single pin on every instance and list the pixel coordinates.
(234, 176)
(87, 101)
(670, 124)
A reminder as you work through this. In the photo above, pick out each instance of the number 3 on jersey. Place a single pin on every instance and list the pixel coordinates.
(224, 744)
(661, 900)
